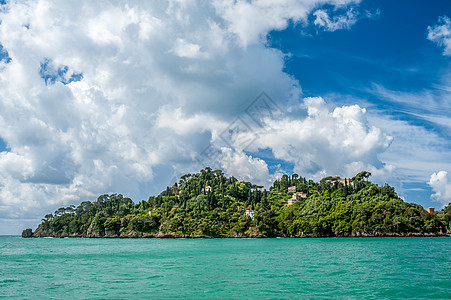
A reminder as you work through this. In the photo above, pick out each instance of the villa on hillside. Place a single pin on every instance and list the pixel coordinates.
(250, 213)
(343, 181)
(296, 197)
(439, 213)
(291, 189)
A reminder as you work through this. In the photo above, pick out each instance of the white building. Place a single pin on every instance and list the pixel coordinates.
(250, 213)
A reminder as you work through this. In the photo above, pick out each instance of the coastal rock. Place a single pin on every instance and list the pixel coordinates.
(110, 233)
(42, 232)
(27, 233)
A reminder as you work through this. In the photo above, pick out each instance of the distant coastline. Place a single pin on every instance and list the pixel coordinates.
(211, 205)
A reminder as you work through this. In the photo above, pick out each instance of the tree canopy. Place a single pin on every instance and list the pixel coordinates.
(210, 203)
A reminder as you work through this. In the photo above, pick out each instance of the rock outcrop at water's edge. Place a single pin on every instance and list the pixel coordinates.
(27, 233)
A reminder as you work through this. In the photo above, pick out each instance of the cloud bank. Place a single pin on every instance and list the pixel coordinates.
(325, 142)
(111, 97)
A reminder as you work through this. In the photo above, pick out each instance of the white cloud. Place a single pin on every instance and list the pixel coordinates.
(325, 142)
(185, 49)
(160, 82)
(381, 175)
(345, 21)
(245, 167)
(341, 17)
(318, 141)
(440, 34)
(252, 20)
(441, 187)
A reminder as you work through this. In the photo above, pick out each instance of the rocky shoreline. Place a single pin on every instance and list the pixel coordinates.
(28, 233)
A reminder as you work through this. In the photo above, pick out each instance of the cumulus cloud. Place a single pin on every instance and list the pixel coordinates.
(442, 187)
(317, 140)
(329, 141)
(440, 34)
(113, 97)
(325, 142)
(245, 166)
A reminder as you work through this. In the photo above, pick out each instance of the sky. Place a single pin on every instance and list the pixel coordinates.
(125, 97)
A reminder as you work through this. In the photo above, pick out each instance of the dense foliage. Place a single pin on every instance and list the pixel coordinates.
(209, 203)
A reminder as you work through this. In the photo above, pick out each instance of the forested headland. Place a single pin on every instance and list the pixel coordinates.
(210, 204)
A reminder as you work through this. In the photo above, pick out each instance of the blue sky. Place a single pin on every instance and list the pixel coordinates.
(390, 51)
(125, 98)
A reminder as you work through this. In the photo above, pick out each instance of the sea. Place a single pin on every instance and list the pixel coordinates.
(307, 268)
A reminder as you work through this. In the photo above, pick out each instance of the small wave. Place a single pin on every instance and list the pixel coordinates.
(8, 280)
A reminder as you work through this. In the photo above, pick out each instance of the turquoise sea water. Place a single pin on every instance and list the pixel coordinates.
(225, 268)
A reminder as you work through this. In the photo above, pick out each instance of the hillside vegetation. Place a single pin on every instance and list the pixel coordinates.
(211, 204)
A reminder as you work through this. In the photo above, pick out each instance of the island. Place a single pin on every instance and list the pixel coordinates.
(209, 204)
